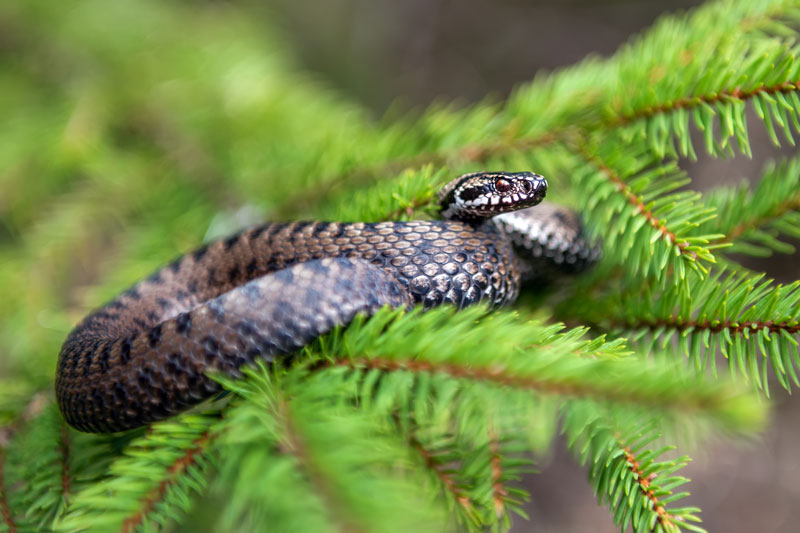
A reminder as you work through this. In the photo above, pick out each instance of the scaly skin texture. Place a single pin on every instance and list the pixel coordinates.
(270, 290)
(143, 356)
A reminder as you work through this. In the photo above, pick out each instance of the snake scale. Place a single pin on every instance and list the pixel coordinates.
(270, 290)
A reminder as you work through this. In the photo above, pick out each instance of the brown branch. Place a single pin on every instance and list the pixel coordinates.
(690, 102)
(297, 446)
(644, 487)
(637, 203)
(732, 326)
(64, 449)
(499, 492)
(790, 204)
(4, 509)
(500, 375)
(178, 467)
(445, 477)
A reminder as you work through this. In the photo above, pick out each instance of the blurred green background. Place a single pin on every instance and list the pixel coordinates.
(131, 131)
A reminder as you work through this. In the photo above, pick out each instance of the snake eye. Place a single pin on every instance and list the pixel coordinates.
(502, 185)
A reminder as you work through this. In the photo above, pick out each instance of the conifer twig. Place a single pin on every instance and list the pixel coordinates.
(640, 207)
(296, 445)
(690, 102)
(4, 509)
(64, 449)
(791, 203)
(499, 492)
(732, 326)
(502, 376)
(176, 470)
(443, 475)
(643, 483)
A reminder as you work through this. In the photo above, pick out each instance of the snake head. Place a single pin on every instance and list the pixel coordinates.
(485, 194)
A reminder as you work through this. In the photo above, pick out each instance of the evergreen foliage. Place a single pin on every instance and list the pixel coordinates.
(403, 421)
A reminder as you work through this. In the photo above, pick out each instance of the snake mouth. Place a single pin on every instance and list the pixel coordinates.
(539, 187)
(532, 190)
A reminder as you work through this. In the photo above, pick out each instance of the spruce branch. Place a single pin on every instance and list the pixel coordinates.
(753, 220)
(314, 471)
(654, 387)
(753, 322)
(151, 483)
(638, 205)
(331, 467)
(475, 460)
(724, 96)
(626, 475)
(39, 469)
(499, 493)
(476, 472)
(715, 84)
(506, 352)
(397, 199)
(492, 470)
(5, 511)
(434, 462)
(644, 223)
(156, 496)
(475, 153)
(64, 449)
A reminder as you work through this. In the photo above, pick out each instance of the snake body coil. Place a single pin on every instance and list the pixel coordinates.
(270, 290)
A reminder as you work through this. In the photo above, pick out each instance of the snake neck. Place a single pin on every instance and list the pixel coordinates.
(548, 241)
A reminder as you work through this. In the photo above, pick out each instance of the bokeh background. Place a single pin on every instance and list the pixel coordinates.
(391, 59)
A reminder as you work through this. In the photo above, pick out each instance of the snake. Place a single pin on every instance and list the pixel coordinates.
(270, 290)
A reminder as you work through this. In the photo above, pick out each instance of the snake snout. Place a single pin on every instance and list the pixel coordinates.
(535, 186)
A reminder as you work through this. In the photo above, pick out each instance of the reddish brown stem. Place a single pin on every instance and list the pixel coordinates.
(499, 492)
(636, 202)
(446, 479)
(4, 509)
(181, 465)
(499, 375)
(64, 449)
(694, 101)
(731, 326)
(790, 204)
(643, 483)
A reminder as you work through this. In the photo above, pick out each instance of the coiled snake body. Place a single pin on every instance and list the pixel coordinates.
(270, 290)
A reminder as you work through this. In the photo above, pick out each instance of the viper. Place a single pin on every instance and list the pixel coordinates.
(270, 290)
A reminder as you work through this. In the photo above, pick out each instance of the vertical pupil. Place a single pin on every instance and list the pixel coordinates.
(502, 185)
